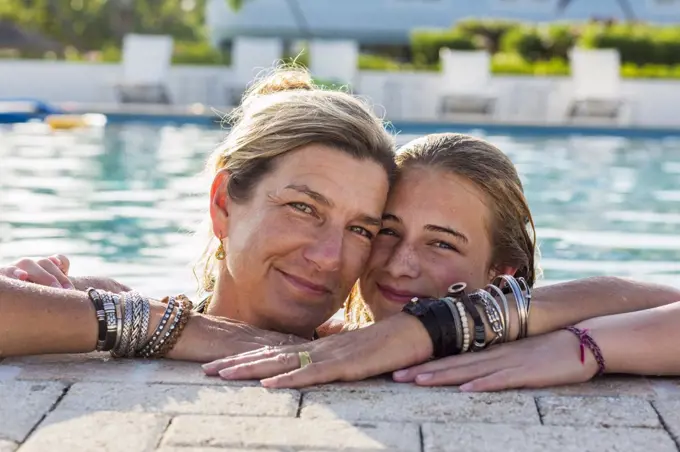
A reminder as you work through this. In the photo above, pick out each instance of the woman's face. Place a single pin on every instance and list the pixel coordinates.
(298, 244)
(435, 233)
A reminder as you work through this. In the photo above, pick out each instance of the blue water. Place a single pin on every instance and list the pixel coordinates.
(120, 201)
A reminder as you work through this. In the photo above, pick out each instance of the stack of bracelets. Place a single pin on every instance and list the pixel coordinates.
(124, 324)
(447, 319)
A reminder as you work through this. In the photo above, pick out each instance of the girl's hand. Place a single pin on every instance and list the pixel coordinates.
(547, 360)
(50, 271)
(391, 344)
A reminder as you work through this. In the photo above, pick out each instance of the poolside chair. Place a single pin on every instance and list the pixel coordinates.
(334, 60)
(596, 81)
(465, 83)
(146, 63)
(250, 56)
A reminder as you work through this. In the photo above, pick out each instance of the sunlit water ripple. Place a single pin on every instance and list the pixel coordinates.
(121, 201)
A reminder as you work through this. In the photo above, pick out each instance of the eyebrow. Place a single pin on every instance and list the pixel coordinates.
(315, 195)
(430, 227)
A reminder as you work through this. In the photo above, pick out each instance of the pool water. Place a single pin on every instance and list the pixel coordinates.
(121, 201)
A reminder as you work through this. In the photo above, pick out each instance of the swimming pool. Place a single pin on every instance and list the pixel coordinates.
(120, 200)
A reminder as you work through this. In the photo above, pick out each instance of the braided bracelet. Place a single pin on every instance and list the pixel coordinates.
(586, 340)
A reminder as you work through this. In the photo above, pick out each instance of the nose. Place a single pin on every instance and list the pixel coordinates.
(325, 251)
(403, 262)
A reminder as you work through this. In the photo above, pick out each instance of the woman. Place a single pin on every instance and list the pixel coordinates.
(298, 189)
(456, 213)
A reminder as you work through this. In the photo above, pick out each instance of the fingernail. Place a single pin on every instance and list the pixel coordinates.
(19, 274)
(400, 374)
(57, 285)
(226, 373)
(423, 377)
(465, 388)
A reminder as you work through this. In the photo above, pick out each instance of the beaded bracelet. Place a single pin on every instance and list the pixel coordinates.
(586, 340)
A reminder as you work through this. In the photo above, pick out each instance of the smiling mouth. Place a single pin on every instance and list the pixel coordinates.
(396, 296)
(305, 285)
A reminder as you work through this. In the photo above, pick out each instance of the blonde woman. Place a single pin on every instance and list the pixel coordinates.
(298, 189)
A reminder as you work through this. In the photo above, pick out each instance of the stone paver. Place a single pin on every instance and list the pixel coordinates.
(291, 434)
(509, 438)
(93, 402)
(181, 399)
(23, 405)
(423, 404)
(91, 367)
(598, 412)
(7, 446)
(669, 410)
(100, 431)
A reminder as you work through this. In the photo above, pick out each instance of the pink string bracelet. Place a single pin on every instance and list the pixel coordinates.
(586, 340)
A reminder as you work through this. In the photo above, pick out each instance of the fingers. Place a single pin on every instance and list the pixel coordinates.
(512, 378)
(264, 368)
(262, 353)
(312, 374)
(62, 262)
(14, 273)
(451, 362)
(37, 274)
(55, 270)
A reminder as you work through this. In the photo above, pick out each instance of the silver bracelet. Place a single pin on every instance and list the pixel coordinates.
(493, 314)
(136, 325)
(519, 301)
(119, 352)
(526, 291)
(166, 316)
(505, 311)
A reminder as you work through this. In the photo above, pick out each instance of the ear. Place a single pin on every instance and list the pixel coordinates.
(219, 204)
(493, 272)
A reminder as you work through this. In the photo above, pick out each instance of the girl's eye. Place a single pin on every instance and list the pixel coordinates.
(302, 207)
(445, 246)
(362, 231)
(387, 231)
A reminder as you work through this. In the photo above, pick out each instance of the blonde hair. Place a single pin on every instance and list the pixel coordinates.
(512, 230)
(280, 113)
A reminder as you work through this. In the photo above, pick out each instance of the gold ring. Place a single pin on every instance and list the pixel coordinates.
(305, 359)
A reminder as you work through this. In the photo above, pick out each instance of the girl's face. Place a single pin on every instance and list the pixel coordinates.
(436, 232)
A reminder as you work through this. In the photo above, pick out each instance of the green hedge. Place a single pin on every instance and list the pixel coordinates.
(425, 45)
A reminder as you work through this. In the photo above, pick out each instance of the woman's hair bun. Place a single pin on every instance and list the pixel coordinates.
(286, 79)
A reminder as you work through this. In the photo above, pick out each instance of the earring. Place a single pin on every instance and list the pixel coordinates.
(219, 254)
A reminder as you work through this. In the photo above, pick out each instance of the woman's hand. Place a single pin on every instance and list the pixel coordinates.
(385, 346)
(540, 361)
(50, 271)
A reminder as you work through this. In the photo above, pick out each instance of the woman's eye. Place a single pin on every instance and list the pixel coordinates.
(302, 207)
(387, 231)
(362, 231)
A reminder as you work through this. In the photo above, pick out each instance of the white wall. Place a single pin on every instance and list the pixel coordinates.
(404, 96)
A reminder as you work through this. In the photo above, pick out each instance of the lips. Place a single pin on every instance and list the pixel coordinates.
(396, 295)
(305, 285)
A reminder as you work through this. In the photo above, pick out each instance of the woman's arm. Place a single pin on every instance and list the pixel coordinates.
(42, 320)
(558, 305)
(643, 342)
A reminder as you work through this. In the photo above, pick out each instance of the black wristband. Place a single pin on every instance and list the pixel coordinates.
(447, 327)
(422, 310)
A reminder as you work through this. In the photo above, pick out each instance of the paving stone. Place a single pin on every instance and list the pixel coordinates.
(91, 367)
(7, 446)
(425, 404)
(101, 431)
(603, 386)
(666, 388)
(23, 404)
(290, 434)
(509, 438)
(184, 399)
(598, 412)
(669, 410)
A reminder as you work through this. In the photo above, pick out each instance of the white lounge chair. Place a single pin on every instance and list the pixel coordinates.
(146, 63)
(596, 81)
(250, 56)
(465, 83)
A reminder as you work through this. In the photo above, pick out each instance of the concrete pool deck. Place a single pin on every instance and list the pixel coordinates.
(91, 402)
